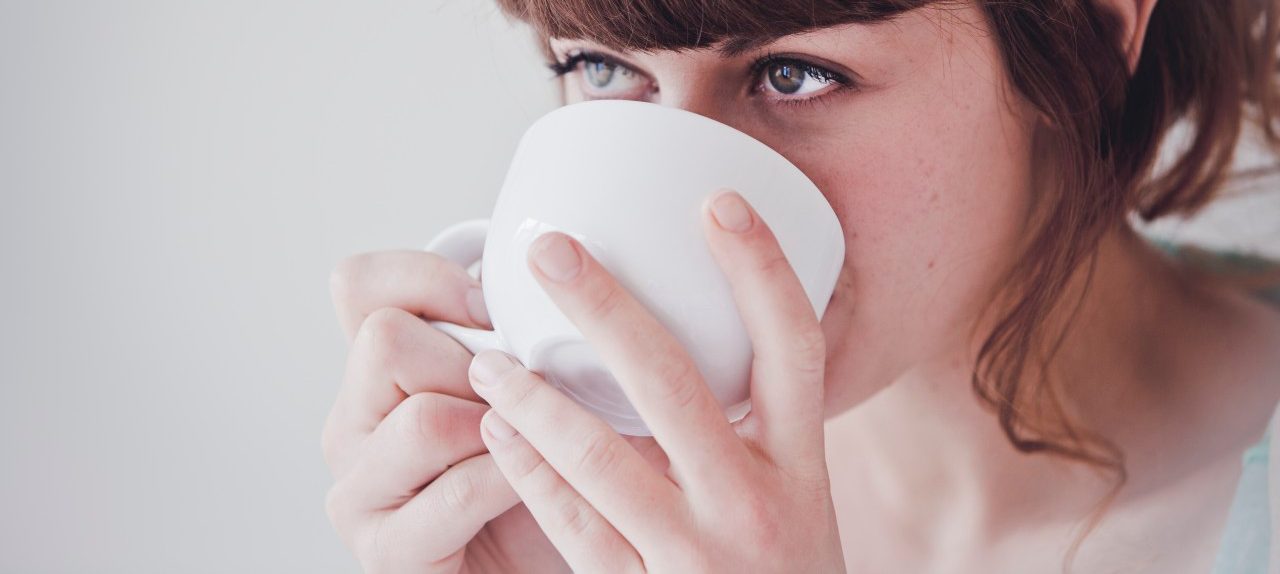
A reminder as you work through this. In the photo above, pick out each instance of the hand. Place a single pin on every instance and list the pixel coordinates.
(749, 497)
(414, 490)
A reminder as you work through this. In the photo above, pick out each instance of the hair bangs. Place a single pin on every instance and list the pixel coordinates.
(649, 25)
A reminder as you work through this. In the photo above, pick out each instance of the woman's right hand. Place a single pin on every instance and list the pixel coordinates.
(415, 488)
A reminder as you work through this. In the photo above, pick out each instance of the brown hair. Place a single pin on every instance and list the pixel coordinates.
(1210, 63)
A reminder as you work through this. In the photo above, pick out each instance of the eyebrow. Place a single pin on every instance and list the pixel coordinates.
(729, 48)
(739, 45)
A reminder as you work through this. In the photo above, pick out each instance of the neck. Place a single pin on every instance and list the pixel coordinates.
(926, 444)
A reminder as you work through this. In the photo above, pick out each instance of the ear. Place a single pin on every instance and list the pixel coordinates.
(1133, 15)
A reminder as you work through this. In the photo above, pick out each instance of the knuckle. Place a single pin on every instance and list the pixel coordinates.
(460, 490)
(775, 264)
(599, 455)
(536, 475)
(518, 392)
(426, 421)
(809, 350)
(337, 506)
(345, 277)
(577, 519)
(364, 535)
(382, 334)
(374, 548)
(331, 505)
(678, 383)
(607, 299)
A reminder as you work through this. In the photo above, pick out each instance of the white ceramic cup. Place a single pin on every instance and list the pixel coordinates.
(627, 179)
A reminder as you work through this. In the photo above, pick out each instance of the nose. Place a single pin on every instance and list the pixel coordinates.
(693, 97)
(707, 104)
(699, 105)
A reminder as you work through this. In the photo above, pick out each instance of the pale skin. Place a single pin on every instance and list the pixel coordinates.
(864, 419)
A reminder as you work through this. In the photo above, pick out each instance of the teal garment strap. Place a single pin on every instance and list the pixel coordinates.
(1224, 261)
(1246, 541)
(1245, 546)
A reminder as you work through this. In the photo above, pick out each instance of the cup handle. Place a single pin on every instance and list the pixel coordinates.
(463, 243)
(475, 340)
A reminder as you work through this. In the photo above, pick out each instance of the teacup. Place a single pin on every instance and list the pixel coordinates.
(627, 180)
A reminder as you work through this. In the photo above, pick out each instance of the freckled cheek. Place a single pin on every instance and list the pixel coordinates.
(914, 184)
(918, 227)
(891, 205)
(924, 199)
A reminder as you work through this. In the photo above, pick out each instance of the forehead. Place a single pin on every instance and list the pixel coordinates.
(731, 26)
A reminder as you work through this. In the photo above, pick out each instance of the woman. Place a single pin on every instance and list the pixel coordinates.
(1008, 378)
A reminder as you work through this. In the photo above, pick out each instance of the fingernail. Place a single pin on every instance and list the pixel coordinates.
(487, 367)
(499, 428)
(731, 211)
(475, 306)
(556, 258)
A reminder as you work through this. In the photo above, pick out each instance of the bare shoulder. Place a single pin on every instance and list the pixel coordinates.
(1264, 301)
(1258, 358)
(1241, 358)
(1232, 363)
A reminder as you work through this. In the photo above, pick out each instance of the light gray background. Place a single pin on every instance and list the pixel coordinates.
(178, 180)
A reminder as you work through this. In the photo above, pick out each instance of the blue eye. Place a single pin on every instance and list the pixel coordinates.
(604, 77)
(598, 73)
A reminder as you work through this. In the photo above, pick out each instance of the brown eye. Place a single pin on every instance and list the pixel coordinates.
(793, 77)
(786, 78)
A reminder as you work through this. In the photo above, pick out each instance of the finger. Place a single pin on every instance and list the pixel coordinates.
(443, 518)
(420, 282)
(588, 542)
(600, 465)
(786, 337)
(395, 355)
(655, 372)
(415, 443)
(651, 451)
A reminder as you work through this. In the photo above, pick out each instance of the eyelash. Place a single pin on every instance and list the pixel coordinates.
(757, 68)
(571, 63)
(821, 74)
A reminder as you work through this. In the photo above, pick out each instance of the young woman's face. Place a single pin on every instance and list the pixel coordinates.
(909, 128)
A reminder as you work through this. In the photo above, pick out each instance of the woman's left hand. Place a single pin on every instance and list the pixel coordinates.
(752, 496)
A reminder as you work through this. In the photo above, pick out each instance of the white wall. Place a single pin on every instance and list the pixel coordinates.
(178, 178)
